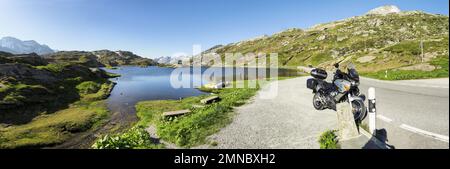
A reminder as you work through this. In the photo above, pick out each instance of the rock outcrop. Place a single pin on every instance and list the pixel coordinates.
(27, 74)
(384, 10)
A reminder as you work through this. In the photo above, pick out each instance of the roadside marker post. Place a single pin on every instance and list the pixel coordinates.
(372, 111)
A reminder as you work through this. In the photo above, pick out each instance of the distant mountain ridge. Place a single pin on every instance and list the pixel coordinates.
(97, 58)
(94, 59)
(172, 60)
(101, 58)
(17, 46)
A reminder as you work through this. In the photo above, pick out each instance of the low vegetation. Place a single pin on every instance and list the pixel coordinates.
(441, 71)
(55, 128)
(136, 137)
(188, 130)
(44, 105)
(88, 87)
(193, 129)
(51, 128)
(328, 140)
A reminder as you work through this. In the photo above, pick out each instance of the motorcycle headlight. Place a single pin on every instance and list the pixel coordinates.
(347, 87)
(354, 83)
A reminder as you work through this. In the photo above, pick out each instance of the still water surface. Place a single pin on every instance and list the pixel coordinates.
(153, 83)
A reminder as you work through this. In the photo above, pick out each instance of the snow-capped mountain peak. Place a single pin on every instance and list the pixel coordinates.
(17, 46)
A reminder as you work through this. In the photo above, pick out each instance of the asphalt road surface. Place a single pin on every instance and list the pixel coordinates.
(413, 114)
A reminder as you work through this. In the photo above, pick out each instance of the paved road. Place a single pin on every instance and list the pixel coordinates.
(415, 114)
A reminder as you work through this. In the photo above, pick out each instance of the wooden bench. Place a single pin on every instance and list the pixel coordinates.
(197, 106)
(175, 113)
(210, 100)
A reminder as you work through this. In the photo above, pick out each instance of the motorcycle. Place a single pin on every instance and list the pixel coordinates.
(344, 88)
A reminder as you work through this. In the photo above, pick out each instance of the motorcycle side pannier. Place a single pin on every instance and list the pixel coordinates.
(319, 73)
(311, 83)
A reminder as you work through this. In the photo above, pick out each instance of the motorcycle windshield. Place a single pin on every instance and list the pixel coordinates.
(352, 73)
(351, 66)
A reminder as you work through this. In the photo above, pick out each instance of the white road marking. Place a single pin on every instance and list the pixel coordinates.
(384, 118)
(426, 133)
(427, 86)
(408, 84)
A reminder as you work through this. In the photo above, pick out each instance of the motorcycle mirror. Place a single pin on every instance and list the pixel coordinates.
(336, 65)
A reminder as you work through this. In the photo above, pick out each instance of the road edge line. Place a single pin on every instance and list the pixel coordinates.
(384, 118)
(406, 84)
(425, 133)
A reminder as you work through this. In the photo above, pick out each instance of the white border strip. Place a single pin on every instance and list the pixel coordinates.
(402, 82)
(426, 133)
(384, 118)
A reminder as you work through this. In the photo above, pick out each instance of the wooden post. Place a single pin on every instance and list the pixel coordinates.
(421, 49)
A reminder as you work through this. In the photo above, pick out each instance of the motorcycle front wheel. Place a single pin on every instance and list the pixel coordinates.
(317, 102)
(359, 110)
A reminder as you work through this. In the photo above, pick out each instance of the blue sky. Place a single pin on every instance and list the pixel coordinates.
(153, 28)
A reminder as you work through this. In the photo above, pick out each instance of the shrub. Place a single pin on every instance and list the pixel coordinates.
(54, 67)
(88, 87)
(135, 138)
(328, 140)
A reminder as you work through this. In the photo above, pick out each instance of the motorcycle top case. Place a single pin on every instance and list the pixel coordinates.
(311, 83)
(319, 73)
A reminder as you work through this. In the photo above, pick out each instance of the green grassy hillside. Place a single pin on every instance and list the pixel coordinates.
(374, 43)
(46, 103)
